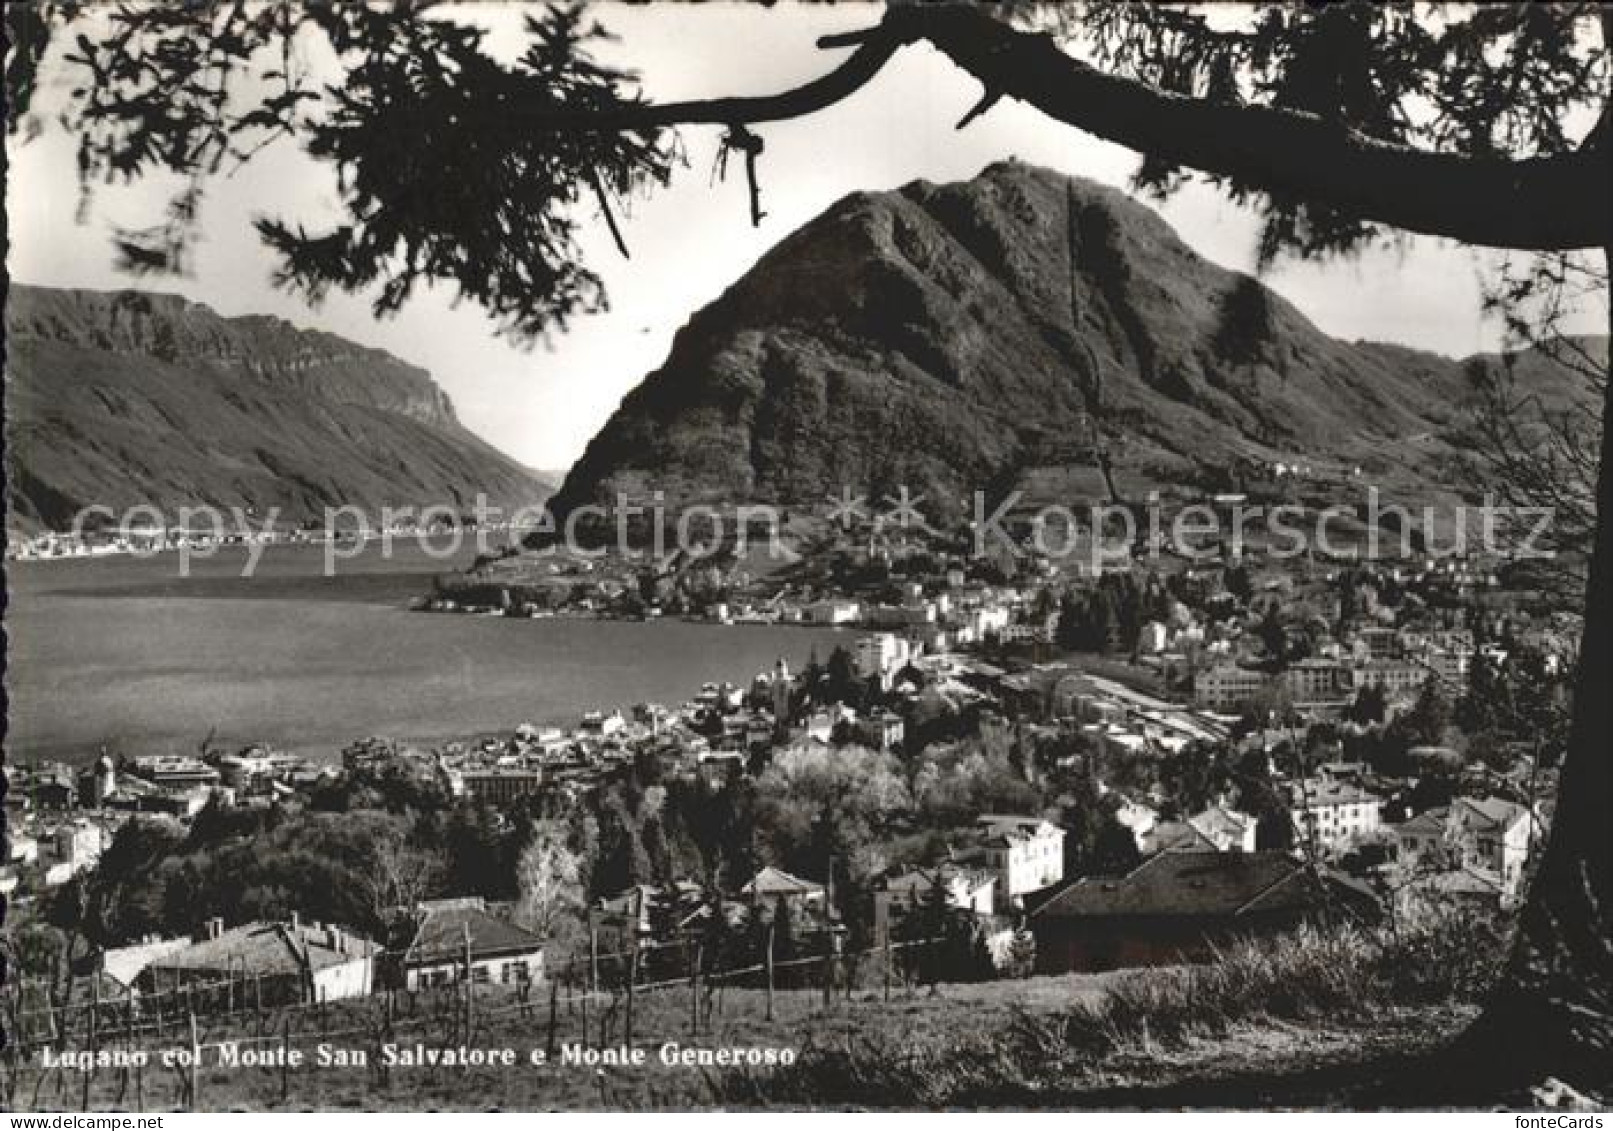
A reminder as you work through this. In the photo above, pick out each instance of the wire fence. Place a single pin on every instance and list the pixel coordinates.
(135, 1051)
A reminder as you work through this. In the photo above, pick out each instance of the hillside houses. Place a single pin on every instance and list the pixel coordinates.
(1033, 732)
(1179, 906)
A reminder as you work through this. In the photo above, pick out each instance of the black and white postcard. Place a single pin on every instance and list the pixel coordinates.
(748, 556)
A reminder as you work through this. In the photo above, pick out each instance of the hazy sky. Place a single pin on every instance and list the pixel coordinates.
(691, 241)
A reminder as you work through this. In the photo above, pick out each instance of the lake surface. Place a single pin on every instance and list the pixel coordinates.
(125, 652)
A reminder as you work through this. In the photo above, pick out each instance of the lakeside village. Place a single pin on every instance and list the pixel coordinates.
(244, 527)
(1056, 773)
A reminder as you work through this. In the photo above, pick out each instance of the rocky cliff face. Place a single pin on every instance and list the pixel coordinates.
(957, 336)
(130, 397)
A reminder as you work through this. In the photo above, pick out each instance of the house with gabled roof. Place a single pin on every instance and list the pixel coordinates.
(284, 961)
(125, 964)
(444, 941)
(1227, 829)
(1421, 837)
(900, 891)
(1175, 836)
(1462, 886)
(1026, 853)
(1179, 906)
(1490, 835)
(1494, 834)
(772, 884)
(644, 911)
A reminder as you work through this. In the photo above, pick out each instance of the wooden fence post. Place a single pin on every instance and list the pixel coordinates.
(285, 1058)
(694, 991)
(593, 957)
(632, 980)
(769, 961)
(94, 1034)
(470, 1005)
(586, 994)
(887, 949)
(195, 1077)
(554, 1009)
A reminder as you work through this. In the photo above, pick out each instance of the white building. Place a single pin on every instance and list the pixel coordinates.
(1471, 844)
(1395, 677)
(598, 724)
(450, 939)
(963, 889)
(285, 961)
(79, 844)
(1227, 687)
(880, 655)
(900, 616)
(831, 611)
(21, 848)
(1495, 835)
(1153, 638)
(1334, 814)
(1026, 853)
(1228, 829)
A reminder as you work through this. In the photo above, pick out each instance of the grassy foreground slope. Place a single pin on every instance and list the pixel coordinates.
(1334, 1017)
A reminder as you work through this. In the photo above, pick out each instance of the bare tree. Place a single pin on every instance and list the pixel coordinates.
(398, 875)
(549, 880)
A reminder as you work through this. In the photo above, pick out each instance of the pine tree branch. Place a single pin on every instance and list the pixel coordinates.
(1540, 203)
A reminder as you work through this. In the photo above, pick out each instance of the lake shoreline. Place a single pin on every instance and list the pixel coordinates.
(118, 653)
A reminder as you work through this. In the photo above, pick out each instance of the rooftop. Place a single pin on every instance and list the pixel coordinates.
(771, 881)
(1202, 883)
(271, 948)
(446, 925)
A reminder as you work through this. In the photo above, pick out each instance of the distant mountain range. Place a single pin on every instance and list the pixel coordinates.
(129, 397)
(1020, 329)
(1006, 330)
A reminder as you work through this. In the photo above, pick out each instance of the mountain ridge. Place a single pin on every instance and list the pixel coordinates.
(944, 337)
(129, 397)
